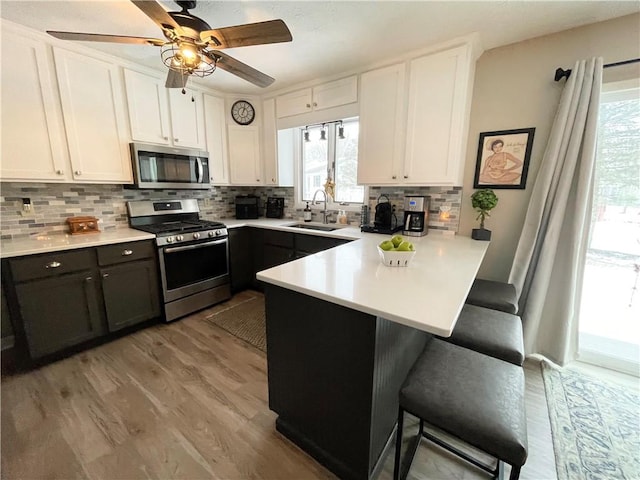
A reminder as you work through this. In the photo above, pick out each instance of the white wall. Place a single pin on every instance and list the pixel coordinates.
(514, 88)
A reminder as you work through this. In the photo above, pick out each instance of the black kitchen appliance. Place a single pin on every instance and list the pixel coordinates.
(247, 207)
(384, 219)
(193, 254)
(275, 207)
(416, 216)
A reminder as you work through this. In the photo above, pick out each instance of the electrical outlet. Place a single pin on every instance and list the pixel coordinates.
(207, 202)
(26, 208)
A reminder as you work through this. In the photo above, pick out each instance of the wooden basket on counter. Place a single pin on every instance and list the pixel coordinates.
(81, 225)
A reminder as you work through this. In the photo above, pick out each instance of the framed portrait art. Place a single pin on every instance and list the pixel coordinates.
(503, 159)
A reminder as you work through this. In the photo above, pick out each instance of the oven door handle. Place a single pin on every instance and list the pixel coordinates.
(193, 247)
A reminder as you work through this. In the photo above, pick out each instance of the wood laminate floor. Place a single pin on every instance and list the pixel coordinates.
(185, 400)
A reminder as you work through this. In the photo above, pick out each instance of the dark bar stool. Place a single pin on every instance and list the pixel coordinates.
(473, 397)
(494, 295)
(494, 333)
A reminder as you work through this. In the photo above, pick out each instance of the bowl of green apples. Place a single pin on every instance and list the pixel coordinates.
(396, 252)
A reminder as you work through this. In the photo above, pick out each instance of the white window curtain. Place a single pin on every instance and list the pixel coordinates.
(548, 265)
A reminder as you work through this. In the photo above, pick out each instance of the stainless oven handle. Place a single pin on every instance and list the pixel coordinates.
(193, 247)
(198, 170)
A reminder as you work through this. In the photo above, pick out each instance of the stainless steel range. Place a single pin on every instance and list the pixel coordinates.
(193, 254)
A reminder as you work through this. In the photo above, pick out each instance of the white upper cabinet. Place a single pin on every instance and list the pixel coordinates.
(277, 149)
(148, 108)
(215, 130)
(33, 141)
(93, 106)
(244, 155)
(328, 95)
(425, 145)
(440, 90)
(164, 115)
(381, 140)
(187, 118)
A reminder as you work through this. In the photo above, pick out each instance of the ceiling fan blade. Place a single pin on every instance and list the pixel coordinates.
(159, 15)
(272, 31)
(97, 37)
(176, 79)
(242, 70)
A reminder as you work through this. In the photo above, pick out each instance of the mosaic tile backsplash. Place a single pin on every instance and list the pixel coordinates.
(52, 204)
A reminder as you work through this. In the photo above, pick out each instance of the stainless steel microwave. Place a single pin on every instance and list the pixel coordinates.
(156, 166)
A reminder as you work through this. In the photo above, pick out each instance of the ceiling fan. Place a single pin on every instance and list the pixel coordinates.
(191, 46)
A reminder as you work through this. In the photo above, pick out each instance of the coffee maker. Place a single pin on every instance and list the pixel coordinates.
(416, 216)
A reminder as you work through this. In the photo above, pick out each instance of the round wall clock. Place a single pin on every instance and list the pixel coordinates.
(243, 112)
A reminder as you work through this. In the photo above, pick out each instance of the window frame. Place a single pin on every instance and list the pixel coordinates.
(298, 187)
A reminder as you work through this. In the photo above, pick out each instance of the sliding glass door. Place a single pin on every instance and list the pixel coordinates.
(610, 311)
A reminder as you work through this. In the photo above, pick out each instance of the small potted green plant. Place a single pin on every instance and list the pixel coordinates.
(483, 201)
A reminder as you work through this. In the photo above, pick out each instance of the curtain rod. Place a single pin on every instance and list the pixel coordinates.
(560, 73)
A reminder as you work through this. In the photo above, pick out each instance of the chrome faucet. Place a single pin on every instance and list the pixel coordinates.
(325, 215)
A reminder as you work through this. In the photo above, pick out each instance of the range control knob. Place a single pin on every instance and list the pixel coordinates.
(218, 233)
(179, 238)
(212, 233)
(169, 239)
(196, 235)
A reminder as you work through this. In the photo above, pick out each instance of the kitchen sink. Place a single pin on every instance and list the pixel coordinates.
(322, 227)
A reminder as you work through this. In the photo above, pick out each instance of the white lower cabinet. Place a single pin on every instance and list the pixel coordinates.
(33, 141)
(427, 149)
(93, 107)
(244, 155)
(215, 132)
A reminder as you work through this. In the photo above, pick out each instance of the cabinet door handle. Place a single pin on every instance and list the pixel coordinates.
(126, 253)
(308, 105)
(78, 172)
(53, 264)
(257, 179)
(105, 275)
(273, 180)
(166, 138)
(88, 279)
(406, 176)
(60, 172)
(176, 139)
(315, 104)
(393, 177)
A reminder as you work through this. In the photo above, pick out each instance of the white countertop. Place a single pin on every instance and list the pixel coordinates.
(57, 242)
(427, 295)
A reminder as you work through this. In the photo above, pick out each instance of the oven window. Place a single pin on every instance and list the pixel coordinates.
(194, 265)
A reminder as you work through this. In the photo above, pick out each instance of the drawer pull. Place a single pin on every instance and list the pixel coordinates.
(105, 275)
(126, 253)
(53, 264)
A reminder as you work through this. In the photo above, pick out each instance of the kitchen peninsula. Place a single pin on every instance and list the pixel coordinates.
(342, 332)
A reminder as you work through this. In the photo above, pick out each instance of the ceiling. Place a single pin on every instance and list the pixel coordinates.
(328, 37)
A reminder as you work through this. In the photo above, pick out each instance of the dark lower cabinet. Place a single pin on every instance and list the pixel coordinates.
(65, 298)
(60, 312)
(241, 258)
(130, 293)
(275, 255)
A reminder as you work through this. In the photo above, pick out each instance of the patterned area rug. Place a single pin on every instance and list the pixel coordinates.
(595, 426)
(245, 321)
